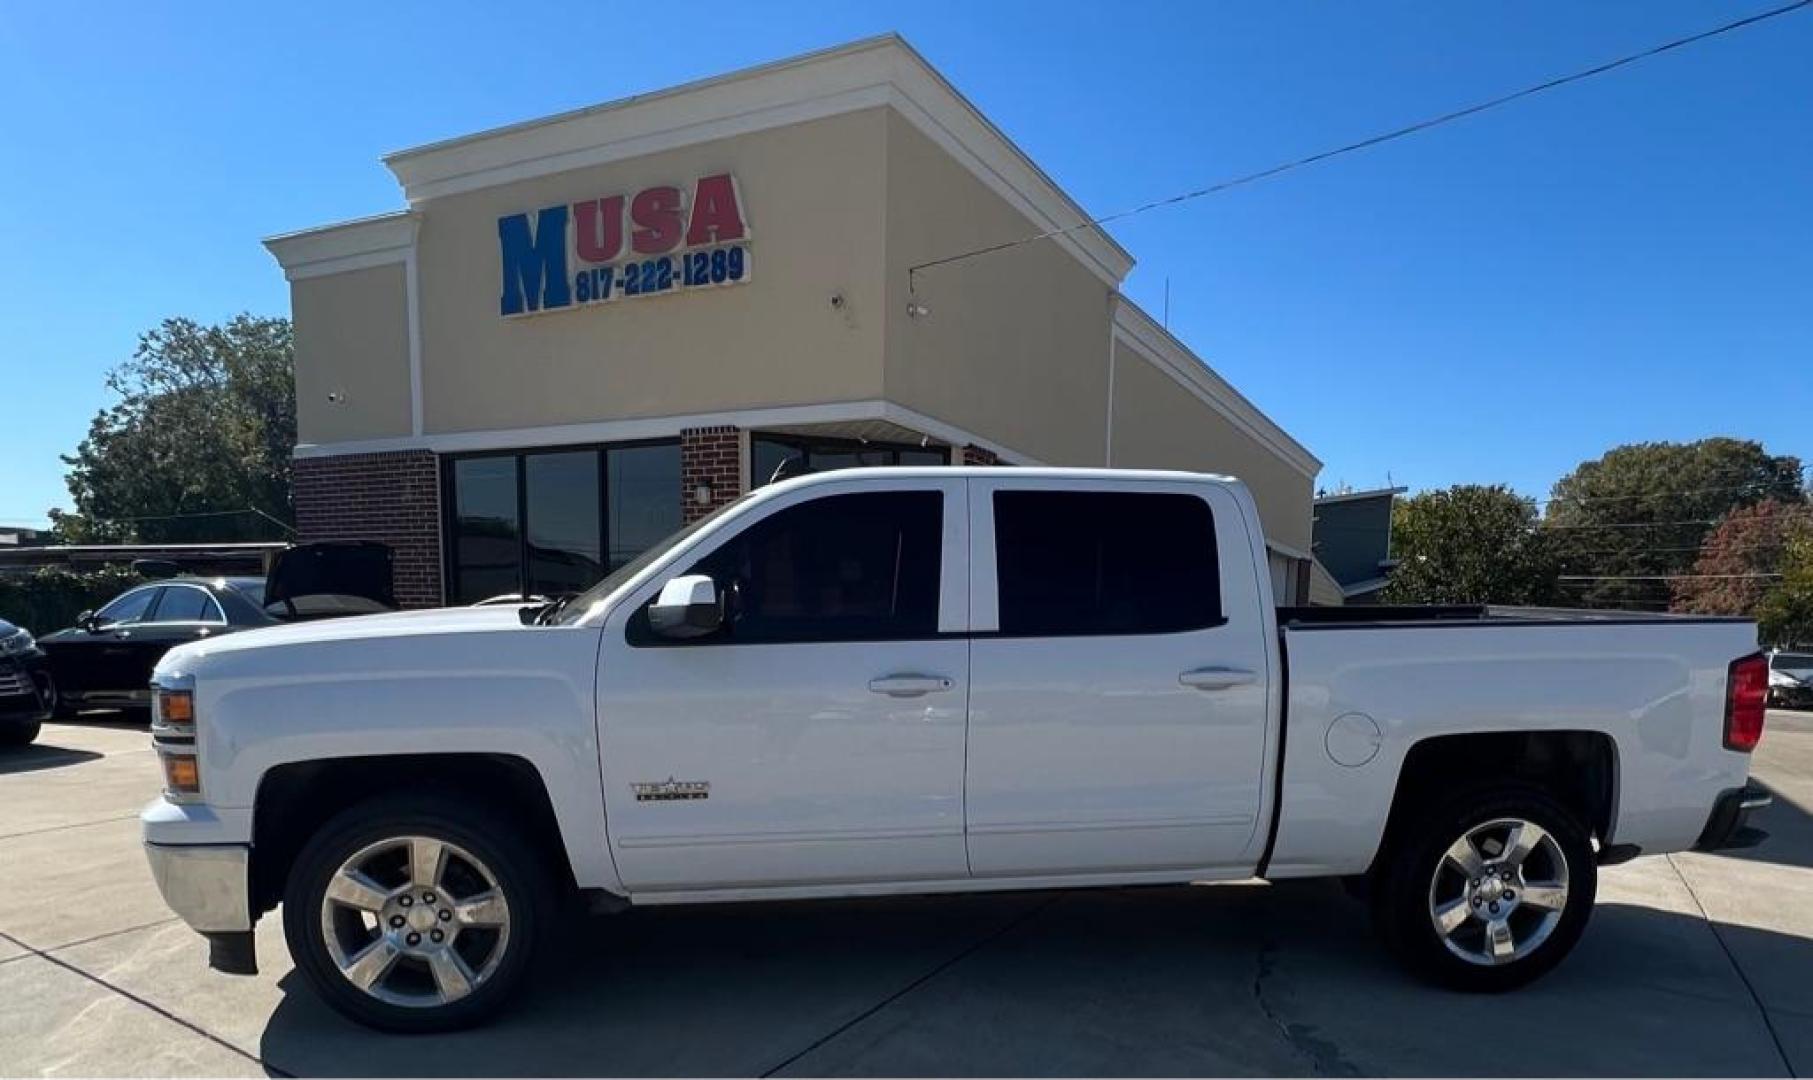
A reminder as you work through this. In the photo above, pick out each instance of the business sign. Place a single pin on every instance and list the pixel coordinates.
(595, 251)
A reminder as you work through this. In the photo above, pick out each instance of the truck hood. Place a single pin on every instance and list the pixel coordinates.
(400, 624)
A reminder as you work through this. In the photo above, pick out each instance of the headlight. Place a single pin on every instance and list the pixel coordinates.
(17, 642)
(173, 736)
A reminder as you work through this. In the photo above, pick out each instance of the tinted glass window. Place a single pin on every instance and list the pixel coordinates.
(184, 604)
(1084, 562)
(768, 452)
(487, 541)
(128, 608)
(645, 494)
(766, 456)
(566, 553)
(840, 568)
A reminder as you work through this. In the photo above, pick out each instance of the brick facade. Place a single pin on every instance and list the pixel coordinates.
(977, 455)
(394, 498)
(711, 456)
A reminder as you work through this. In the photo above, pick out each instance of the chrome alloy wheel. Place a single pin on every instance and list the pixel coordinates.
(1499, 891)
(415, 921)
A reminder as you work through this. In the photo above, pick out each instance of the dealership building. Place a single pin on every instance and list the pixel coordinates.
(587, 330)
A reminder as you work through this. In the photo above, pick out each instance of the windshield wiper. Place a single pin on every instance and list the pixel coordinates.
(548, 612)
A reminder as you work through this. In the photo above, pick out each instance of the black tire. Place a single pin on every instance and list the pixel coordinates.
(19, 734)
(492, 837)
(1414, 872)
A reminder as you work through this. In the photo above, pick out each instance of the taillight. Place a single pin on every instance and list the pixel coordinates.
(1746, 698)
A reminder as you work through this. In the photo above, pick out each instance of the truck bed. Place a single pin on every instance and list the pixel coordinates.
(1382, 615)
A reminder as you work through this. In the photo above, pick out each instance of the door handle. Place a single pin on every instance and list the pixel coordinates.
(908, 685)
(1217, 678)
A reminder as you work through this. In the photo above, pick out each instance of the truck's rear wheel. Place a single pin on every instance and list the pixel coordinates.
(415, 914)
(1487, 892)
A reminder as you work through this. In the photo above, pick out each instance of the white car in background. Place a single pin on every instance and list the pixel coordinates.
(1791, 679)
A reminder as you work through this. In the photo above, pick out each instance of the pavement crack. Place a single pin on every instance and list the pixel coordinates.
(72, 825)
(1324, 1057)
(136, 999)
(61, 946)
(1743, 977)
(963, 954)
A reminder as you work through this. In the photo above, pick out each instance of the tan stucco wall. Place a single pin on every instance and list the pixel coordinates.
(812, 197)
(352, 339)
(1160, 424)
(1015, 347)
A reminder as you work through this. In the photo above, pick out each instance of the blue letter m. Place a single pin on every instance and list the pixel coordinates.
(535, 266)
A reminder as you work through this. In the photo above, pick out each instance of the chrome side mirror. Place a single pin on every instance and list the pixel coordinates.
(686, 608)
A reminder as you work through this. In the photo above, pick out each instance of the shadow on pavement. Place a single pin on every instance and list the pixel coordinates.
(136, 720)
(1280, 980)
(33, 758)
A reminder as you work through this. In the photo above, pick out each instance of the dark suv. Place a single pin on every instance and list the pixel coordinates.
(27, 694)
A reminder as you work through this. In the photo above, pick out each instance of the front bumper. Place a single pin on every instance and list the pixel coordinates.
(1728, 824)
(207, 885)
(25, 689)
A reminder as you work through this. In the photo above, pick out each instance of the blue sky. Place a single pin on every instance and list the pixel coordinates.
(1626, 259)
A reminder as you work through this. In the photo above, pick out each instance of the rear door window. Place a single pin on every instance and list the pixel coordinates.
(1098, 563)
(183, 603)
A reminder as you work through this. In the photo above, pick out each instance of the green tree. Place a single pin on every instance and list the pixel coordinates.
(1627, 524)
(1785, 614)
(198, 446)
(1469, 544)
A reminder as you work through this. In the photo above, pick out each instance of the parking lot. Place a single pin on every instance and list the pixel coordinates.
(1694, 964)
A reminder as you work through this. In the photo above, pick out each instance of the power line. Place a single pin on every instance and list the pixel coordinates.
(1759, 487)
(1371, 141)
(280, 523)
(1628, 524)
(1659, 578)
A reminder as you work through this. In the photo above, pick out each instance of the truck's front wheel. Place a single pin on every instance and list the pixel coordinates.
(1487, 891)
(415, 914)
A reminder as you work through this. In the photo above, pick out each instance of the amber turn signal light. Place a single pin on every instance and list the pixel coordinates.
(176, 706)
(181, 775)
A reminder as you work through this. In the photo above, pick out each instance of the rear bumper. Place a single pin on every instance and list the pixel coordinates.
(110, 699)
(1728, 824)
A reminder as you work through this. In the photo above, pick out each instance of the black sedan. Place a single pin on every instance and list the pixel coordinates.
(27, 694)
(106, 659)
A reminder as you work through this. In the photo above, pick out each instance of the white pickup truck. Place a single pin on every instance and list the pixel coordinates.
(930, 680)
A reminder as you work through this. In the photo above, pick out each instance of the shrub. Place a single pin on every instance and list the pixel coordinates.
(51, 597)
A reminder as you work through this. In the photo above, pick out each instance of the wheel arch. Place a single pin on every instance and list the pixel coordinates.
(1578, 767)
(295, 799)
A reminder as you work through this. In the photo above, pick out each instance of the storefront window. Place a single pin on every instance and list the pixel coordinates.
(537, 523)
(561, 493)
(645, 498)
(769, 452)
(487, 542)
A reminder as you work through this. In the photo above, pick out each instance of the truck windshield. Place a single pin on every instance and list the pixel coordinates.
(576, 608)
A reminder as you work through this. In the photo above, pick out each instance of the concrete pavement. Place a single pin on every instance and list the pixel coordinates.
(1694, 965)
